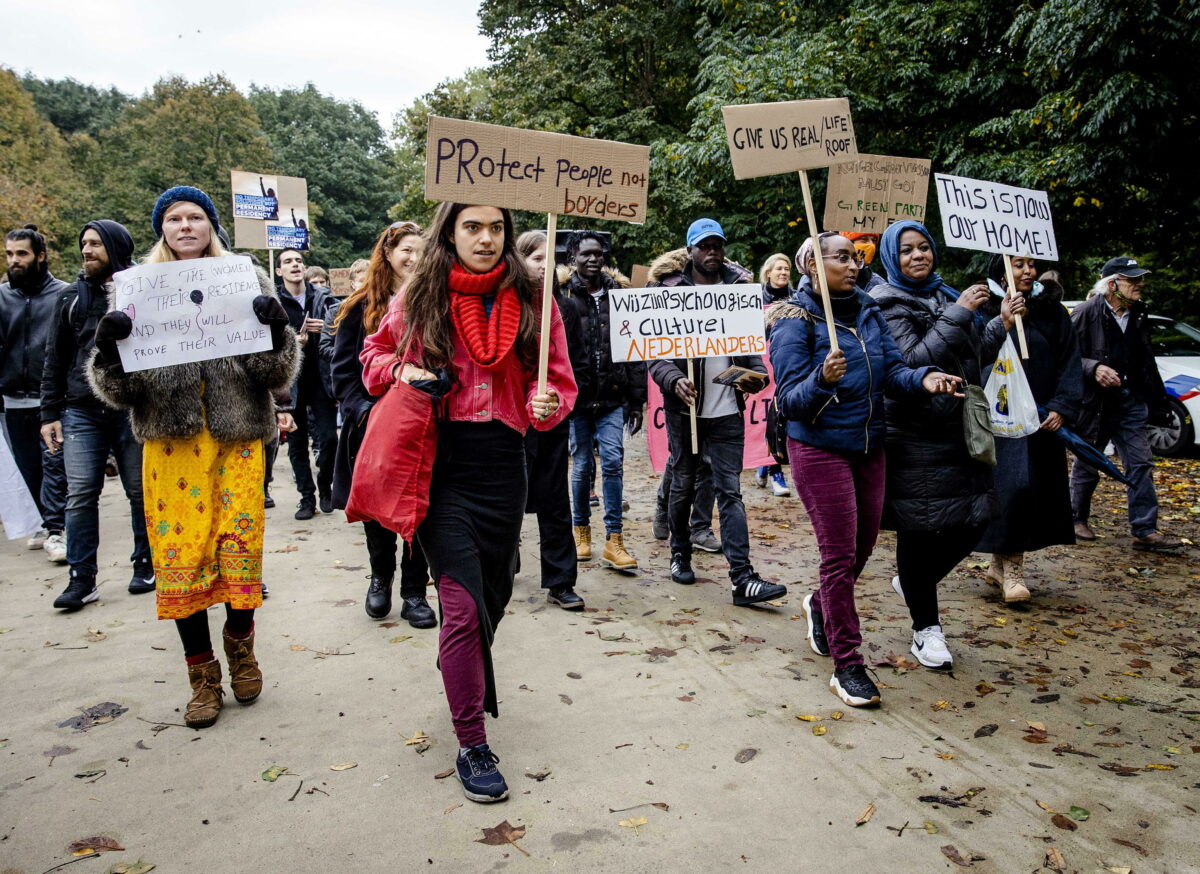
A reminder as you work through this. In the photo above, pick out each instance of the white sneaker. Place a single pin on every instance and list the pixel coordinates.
(779, 486)
(929, 646)
(898, 589)
(56, 548)
(37, 540)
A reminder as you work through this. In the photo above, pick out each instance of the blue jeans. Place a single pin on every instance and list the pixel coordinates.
(1123, 421)
(606, 429)
(43, 472)
(88, 436)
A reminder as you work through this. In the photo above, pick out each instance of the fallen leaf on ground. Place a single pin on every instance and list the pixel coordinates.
(574, 675)
(502, 834)
(807, 717)
(982, 689)
(1120, 770)
(565, 699)
(753, 713)
(1135, 847)
(1064, 822)
(344, 766)
(745, 755)
(55, 752)
(986, 730)
(454, 807)
(1161, 767)
(837, 714)
(819, 730)
(138, 867)
(865, 816)
(95, 635)
(1044, 806)
(634, 822)
(1119, 869)
(1079, 814)
(442, 775)
(1054, 859)
(900, 663)
(419, 738)
(930, 828)
(400, 638)
(97, 714)
(291, 547)
(274, 772)
(98, 844)
(945, 756)
(939, 705)
(538, 775)
(953, 855)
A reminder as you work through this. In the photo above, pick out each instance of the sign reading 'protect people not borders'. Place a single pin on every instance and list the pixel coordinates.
(648, 324)
(486, 164)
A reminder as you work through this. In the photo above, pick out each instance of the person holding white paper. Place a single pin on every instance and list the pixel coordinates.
(203, 425)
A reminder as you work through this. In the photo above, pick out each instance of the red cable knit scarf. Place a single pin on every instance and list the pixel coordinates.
(487, 339)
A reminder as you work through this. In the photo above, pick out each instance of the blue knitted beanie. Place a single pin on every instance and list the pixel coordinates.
(179, 194)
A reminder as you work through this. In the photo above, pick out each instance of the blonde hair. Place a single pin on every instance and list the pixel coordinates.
(359, 266)
(769, 263)
(160, 252)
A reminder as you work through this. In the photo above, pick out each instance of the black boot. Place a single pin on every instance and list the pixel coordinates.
(418, 612)
(307, 507)
(379, 597)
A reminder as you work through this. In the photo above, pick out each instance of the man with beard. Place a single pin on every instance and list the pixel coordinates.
(720, 423)
(78, 424)
(26, 312)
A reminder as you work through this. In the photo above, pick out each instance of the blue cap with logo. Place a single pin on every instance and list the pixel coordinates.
(702, 228)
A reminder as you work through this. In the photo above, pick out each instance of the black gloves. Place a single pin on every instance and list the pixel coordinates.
(113, 327)
(269, 311)
(633, 419)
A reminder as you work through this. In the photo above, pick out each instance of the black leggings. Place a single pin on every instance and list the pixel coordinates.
(923, 558)
(193, 631)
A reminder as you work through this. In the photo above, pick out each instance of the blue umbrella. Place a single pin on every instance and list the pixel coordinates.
(1086, 452)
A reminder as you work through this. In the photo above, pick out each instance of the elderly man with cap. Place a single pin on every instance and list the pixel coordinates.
(720, 424)
(1122, 390)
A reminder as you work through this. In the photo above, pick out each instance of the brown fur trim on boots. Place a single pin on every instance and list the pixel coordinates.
(205, 706)
(245, 679)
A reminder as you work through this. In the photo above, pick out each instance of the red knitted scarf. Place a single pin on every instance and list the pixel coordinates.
(487, 339)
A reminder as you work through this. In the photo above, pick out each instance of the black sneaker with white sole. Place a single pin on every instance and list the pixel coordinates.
(142, 580)
(816, 626)
(80, 590)
(476, 770)
(854, 687)
(681, 569)
(753, 589)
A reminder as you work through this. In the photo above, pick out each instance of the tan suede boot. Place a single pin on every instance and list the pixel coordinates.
(615, 555)
(245, 679)
(583, 542)
(1014, 578)
(995, 571)
(205, 706)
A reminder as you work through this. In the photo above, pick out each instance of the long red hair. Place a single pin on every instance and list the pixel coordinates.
(376, 290)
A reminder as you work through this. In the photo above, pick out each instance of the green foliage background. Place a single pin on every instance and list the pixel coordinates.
(1092, 100)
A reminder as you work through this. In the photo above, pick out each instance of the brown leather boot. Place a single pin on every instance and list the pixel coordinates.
(205, 706)
(583, 542)
(616, 556)
(245, 679)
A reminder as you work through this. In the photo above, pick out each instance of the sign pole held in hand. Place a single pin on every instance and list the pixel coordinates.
(692, 409)
(547, 294)
(1017, 320)
(826, 304)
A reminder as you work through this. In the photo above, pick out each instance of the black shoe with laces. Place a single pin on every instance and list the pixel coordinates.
(418, 612)
(80, 590)
(753, 589)
(476, 769)
(307, 508)
(379, 597)
(854, 687)
(326, 503)
(268, 501)
(816, 626)
(681, 569)
(565, 597)
(143, 577)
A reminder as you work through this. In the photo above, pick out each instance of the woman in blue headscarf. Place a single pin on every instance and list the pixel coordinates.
(938, 499)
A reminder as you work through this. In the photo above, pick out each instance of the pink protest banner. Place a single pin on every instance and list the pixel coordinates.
(755, 453)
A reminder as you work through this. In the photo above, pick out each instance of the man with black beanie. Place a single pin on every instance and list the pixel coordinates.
(78, 424)
(27, 302)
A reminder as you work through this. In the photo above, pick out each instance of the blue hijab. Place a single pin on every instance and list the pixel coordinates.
(889, 251)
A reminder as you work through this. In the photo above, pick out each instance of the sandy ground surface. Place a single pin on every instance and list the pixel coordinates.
(662, 730)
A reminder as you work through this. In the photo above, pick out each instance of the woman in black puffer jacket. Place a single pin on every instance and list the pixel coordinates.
(938, 499)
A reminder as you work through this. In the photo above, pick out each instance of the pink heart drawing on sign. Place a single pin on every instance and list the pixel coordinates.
(130, 311)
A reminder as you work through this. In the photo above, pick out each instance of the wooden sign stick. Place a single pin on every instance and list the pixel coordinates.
(692, 410)
(812, 232)
(271, 263)
(547, 295)
(1017, 320)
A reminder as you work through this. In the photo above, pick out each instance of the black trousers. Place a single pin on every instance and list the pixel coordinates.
(414, 569)
(193, 631)
(923, 558)
(316, 417)
(546, 459)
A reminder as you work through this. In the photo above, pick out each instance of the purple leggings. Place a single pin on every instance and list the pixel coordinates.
(460, 655)
(843, 494)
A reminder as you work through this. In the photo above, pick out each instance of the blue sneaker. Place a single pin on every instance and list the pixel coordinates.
(477, 772)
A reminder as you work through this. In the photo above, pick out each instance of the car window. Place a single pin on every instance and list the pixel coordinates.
(1174, 339)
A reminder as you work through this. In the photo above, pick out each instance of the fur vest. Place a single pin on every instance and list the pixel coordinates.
(232, 396)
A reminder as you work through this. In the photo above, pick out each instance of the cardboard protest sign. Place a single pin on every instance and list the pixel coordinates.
(290, 230)
(770, 138)
(687, 321)
(470, 162)
(259, 199)
(185, 311)
(339, 281)
(639, 275)
(872, 191)
(991, 217)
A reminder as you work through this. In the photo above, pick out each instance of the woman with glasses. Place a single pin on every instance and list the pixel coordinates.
(833, 403)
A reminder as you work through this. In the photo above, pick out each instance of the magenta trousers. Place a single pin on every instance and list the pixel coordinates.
(843, 494)
(460, 655)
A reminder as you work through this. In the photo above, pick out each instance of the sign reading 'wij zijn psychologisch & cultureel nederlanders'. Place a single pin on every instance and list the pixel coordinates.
(646, 324)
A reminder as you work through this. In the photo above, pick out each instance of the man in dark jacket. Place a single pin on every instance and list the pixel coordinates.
(27, 302)
(617, 397)
(77, 423)
(313, 409)
(1121, 389)
(720, 425)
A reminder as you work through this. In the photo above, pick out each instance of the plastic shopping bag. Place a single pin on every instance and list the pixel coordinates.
(1014, 411)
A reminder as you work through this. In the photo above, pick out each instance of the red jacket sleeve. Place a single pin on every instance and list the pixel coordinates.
(559, 376)
(378, 356)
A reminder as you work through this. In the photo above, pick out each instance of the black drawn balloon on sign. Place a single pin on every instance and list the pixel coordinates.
(197, 297)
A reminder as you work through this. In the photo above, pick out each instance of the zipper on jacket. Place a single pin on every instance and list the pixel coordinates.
(870, 386)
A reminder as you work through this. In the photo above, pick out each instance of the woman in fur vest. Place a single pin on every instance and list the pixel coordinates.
(203, 425)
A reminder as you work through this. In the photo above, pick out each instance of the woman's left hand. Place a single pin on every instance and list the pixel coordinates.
(1053, 422)
(545, 405)
(942, 384)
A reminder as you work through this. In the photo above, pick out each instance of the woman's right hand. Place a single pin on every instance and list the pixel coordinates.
(834, 367)
(974, 297)
(411, 373)
(1012, 306)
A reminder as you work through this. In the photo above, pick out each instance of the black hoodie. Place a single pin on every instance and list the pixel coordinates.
(78, 310)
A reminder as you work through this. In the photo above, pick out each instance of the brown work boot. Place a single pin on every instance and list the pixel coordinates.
(1156, 541)
(615, 555)
(205, 706)
(245, 679)
(583, 542)
(1014, 578)
(995, 571)
(1083, 532)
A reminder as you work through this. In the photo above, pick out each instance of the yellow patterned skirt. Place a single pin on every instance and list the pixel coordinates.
(204, 517)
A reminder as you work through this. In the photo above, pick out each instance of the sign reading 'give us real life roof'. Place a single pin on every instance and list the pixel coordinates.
(471, 162)
(766, 139)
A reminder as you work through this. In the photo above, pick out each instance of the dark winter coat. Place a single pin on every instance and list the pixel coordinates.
(313, 375)
(232, 396)
(26, 322)
(671, 270)
(1089, 320)
(610, 384)
(848, 416)
(353, 398)
(932, 481)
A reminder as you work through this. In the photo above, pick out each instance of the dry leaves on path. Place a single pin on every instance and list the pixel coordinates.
(745, 755)
(865, 816)
(97, 844)
(344, 766)
(138, 867)
(502, 834)
(97, 714)
(634, 822)
(55, 752)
